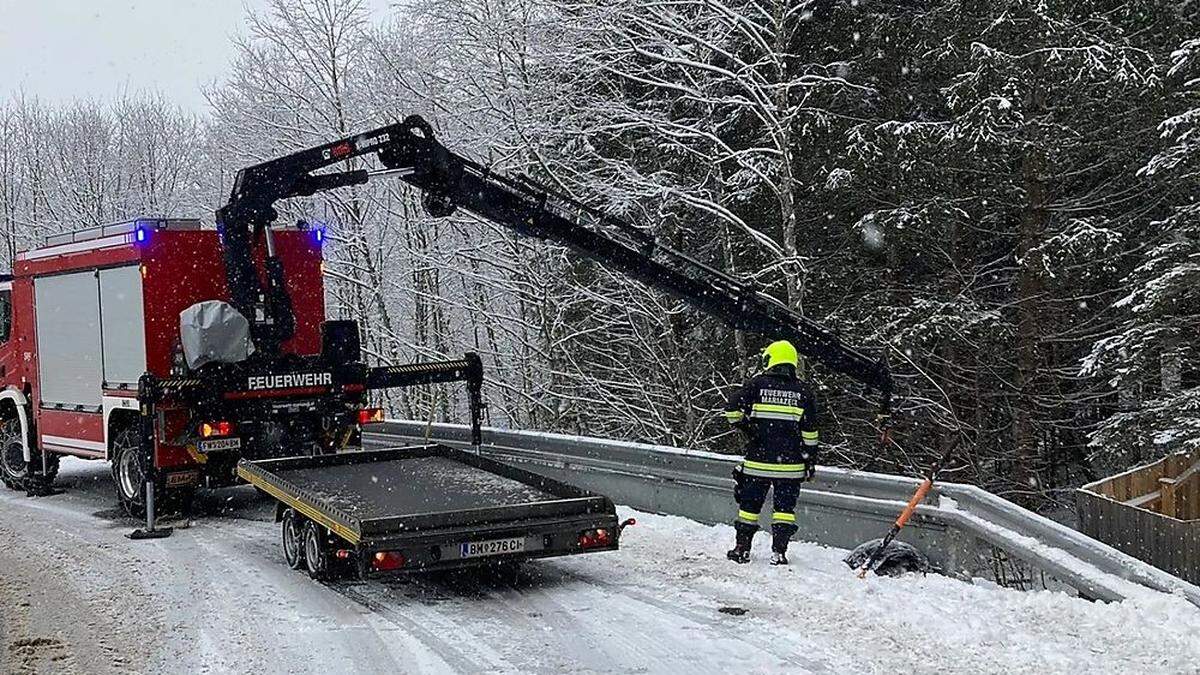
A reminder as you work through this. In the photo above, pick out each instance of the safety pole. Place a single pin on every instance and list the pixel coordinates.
(151, 532)
(147, 394)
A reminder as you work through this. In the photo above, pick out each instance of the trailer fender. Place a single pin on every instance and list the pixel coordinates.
(20, 403)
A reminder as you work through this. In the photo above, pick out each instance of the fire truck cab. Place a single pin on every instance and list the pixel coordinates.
(83, 319)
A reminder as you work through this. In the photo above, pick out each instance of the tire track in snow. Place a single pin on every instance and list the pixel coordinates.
(730, 628)
(670, 610)
(517, 613)
(372, 651)
(463, 652)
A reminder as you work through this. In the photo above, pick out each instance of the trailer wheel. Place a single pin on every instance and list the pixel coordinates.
(316, 551)
(292, 527)
(128, 473)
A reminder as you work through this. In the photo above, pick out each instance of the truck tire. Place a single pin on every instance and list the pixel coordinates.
(129, 474)
(316, 551)
(292, 530)
(13, 469)
(14, 472)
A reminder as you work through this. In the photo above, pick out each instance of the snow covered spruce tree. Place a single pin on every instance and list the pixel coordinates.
(998, 180)
(1153, 362)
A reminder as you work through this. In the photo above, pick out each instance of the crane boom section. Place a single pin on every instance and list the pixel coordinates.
(449, 181)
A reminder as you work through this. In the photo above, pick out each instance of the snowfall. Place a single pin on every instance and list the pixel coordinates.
(77, 596)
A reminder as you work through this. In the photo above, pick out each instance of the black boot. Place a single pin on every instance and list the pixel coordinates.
(781, 536)
(740, 553)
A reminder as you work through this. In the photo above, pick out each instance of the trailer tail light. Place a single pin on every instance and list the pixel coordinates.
(370, 415)
(598, 538)
(388, 560)
(219, 428)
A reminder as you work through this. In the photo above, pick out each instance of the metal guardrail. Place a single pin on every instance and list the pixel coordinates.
(964, 530)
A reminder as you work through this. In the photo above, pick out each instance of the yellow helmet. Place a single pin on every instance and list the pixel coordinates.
(779, 353)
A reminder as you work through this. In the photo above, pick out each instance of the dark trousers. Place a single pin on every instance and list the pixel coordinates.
(751, 493)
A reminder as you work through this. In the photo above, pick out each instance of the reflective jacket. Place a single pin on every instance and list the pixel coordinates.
(777, 412)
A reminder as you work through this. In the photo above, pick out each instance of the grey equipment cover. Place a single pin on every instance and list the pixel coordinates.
(214, 332)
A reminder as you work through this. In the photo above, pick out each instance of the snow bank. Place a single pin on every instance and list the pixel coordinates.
(820, 609)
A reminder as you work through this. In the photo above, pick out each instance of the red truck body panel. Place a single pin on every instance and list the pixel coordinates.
(178, 267)
(183, 268)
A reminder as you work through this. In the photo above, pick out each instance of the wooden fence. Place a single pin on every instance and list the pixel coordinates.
(1151, 512)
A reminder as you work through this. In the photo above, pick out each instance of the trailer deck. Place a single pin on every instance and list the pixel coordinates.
(433, 506)
(416, 484)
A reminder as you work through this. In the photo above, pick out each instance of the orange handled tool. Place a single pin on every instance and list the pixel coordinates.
(909, 509)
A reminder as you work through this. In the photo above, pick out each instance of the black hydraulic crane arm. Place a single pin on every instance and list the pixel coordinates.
(448, 181)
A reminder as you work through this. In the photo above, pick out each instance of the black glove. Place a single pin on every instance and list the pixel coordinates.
(810, 465)
(737, 484)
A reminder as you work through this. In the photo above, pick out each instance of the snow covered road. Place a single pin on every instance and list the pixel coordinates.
(76, 596)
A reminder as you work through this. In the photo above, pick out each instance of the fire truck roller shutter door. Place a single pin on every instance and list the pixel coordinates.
(70, 362)
(123, 326)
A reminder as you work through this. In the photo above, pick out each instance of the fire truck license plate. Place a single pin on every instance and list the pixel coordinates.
(476, 549)
(220, 444)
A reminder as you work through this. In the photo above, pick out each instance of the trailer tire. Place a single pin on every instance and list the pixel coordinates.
(292, 531)
(316, 551)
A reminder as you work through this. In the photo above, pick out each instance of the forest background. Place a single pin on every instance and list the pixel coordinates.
(998, 197)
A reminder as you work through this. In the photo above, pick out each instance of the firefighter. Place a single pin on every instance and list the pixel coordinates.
(775, 411)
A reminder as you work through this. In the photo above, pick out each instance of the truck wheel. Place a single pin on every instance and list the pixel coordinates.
(293, 539)
(129, 474)
(13, 469)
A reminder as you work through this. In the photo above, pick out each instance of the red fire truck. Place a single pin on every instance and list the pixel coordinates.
(91, 320)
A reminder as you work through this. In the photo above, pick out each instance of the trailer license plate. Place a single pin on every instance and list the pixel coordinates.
(220, 444)
(477, 549)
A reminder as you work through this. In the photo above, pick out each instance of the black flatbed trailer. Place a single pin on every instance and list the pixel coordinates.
(424, 508)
